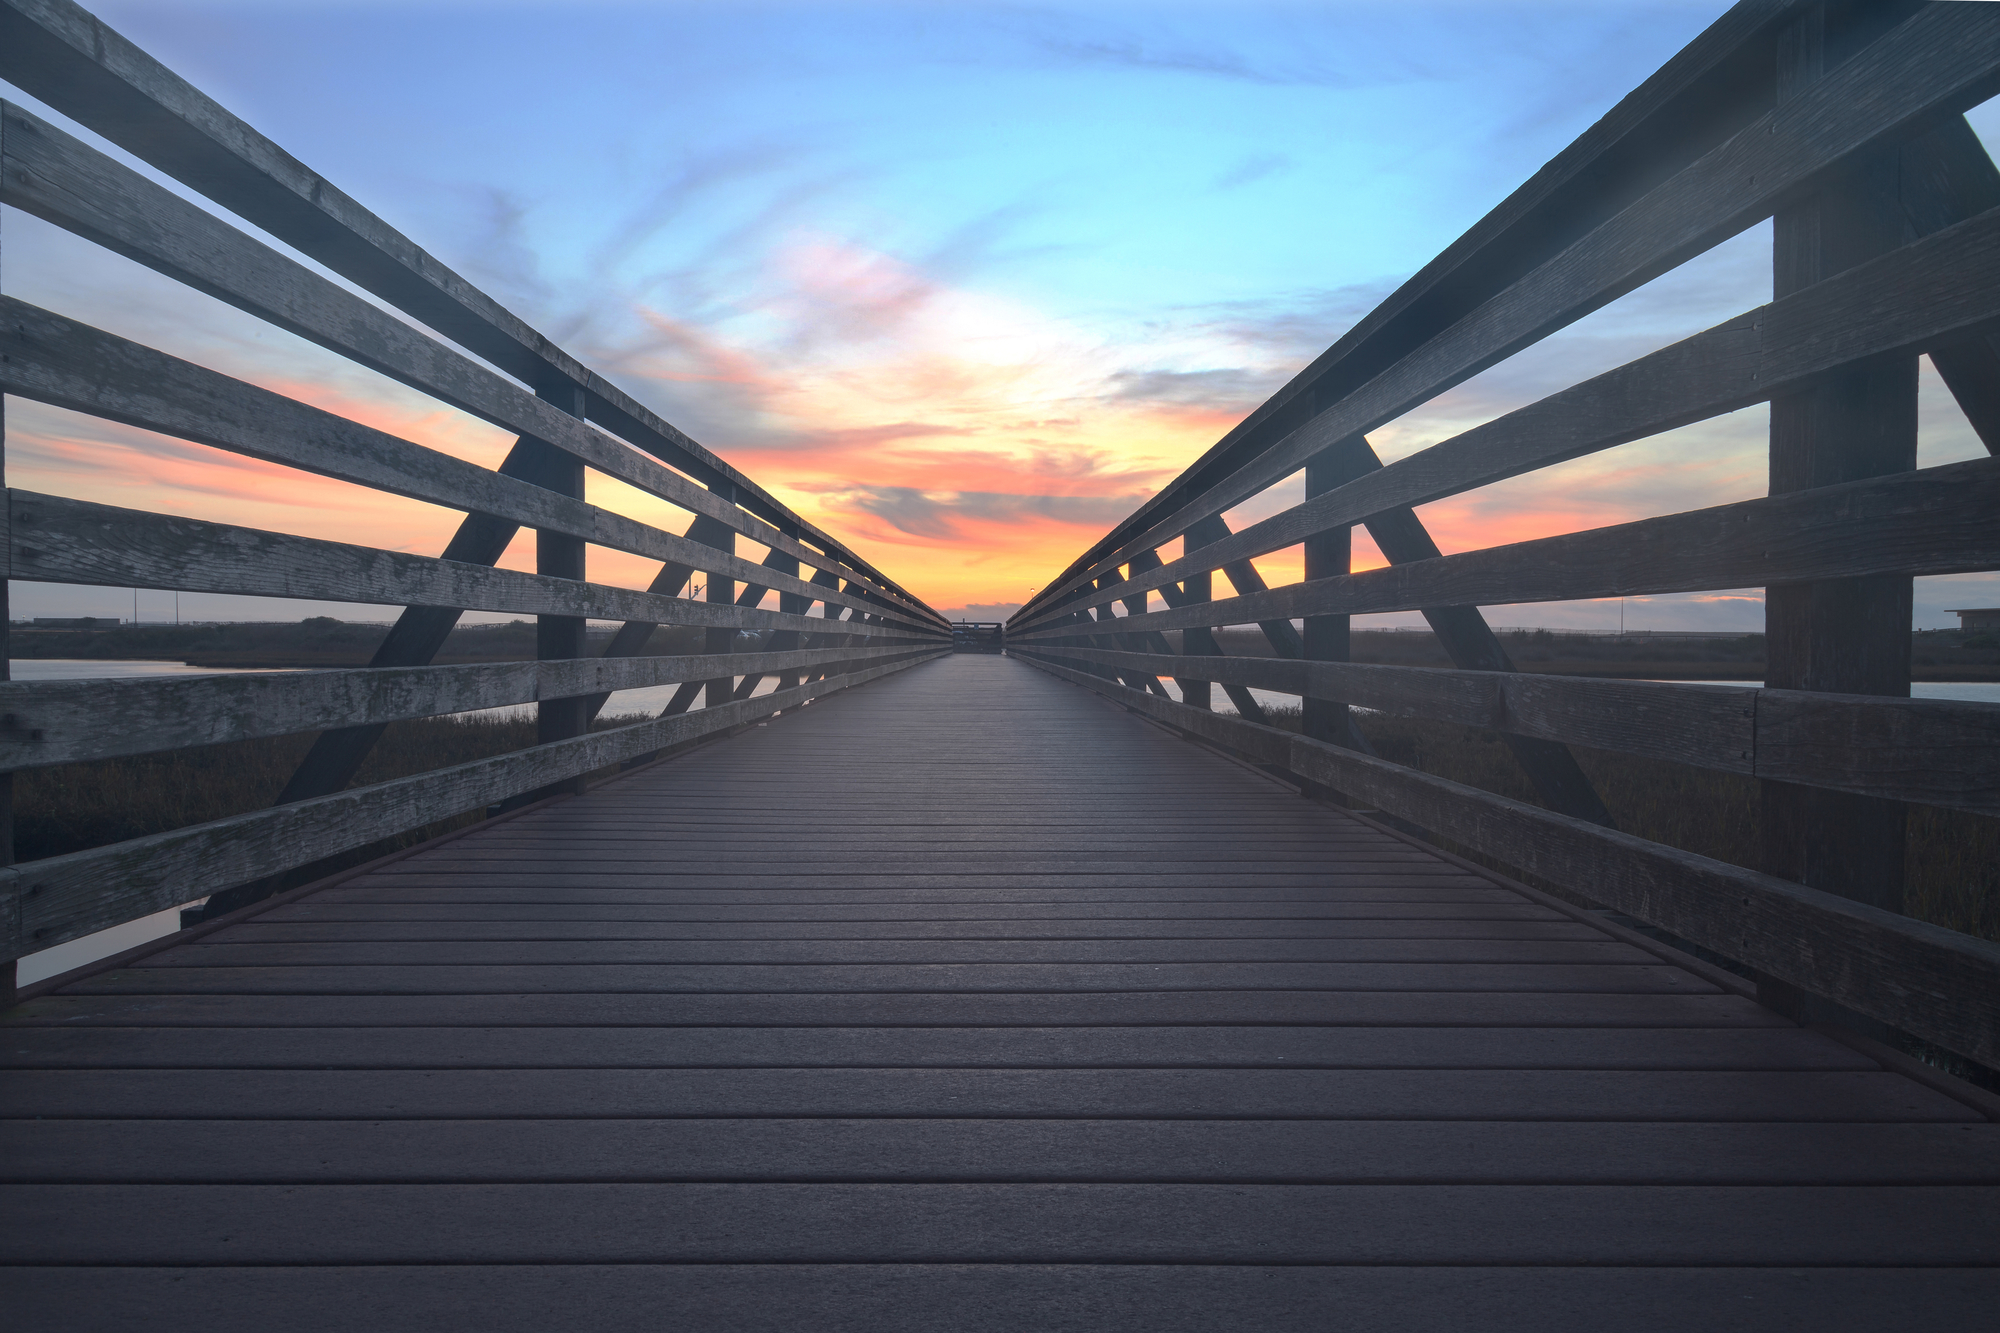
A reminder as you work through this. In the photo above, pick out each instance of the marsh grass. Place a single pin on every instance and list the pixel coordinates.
(77, 806)
(1952, 865)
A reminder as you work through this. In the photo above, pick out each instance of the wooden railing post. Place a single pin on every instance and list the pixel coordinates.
(632, 636)
(1846, 635)
(10, 973)
(1196, 642)
(721, 592)
(558, 638)
(1136, 606)
(792, 603)
(1947, 176)
(1108, 615)
(1205, 533)
(1330, 638)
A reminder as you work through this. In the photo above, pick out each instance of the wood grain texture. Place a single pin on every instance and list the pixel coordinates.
(1707, 725)
(1947, 1225)
(997, 1298)
(1941, 752)
(66, 721)
(47, 902)
(1304, 1151)
(1933, 982)
(967, 1000)
(1929, 751)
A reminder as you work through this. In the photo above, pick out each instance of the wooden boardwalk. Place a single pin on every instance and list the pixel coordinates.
(964, 1000)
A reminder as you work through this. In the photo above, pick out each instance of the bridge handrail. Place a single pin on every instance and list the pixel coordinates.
(1720, 139)
(72, 61)
(567, 417)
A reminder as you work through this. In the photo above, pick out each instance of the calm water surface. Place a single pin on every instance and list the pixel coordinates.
(130, 935)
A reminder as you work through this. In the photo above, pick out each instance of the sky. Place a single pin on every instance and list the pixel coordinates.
(961, 283)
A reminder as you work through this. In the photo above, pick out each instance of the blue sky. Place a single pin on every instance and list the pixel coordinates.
(964, 283)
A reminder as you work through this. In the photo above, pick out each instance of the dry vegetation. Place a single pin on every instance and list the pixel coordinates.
(1940, 655)
(1953, 859)
(75, 806)
(320, 641)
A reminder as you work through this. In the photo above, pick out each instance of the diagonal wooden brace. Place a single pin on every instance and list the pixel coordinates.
(1471, 644)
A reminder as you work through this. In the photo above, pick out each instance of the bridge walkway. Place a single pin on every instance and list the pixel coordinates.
(963, 1000)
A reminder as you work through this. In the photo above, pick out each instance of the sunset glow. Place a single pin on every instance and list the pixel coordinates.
(963, 285)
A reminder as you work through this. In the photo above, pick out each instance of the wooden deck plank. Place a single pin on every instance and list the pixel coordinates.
(1211, 929)
(832, 917)
(1229, 1047)
(1021, 1223)
(945, 882)
(1275, 1007)
(1247, 1094)
(880, 952)
(415, 979)
(1051, 1298)
(999, 1003)
(998, 1151)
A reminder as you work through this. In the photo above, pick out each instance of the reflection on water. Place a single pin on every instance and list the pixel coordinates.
(83, 668)
(625, 705)
(36, 966)
(1966, 691)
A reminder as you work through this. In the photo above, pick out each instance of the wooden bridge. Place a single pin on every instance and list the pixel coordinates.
(900, 988)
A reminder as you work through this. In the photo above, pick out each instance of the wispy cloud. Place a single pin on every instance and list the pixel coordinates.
(1253, 168)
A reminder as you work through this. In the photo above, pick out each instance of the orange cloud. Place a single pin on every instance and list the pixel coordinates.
(967, 443)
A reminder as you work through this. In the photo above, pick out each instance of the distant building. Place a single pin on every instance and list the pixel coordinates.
(77, 622)
(1979, 617)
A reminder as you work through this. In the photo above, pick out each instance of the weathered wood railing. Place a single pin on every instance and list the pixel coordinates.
(568, 419)
(1844, 123)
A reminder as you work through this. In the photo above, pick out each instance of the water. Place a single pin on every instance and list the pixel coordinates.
(76, 668)
(34, 967)
(644, 702)
(132, 934)
(1966, 691)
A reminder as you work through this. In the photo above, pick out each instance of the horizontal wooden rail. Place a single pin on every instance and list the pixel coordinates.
(1936, 521)
(63, 55)
(45, 722)
(1937, 292)
(1941, 752)
(44, 903)
(52, 175)
(70, 541)
(565, 417)
(54, 360)
(1944, 59)
(1718, 83)
(1934, 983)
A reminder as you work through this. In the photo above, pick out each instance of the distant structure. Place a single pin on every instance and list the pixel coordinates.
(978, 636)
(1978, 617)
(77, 622)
